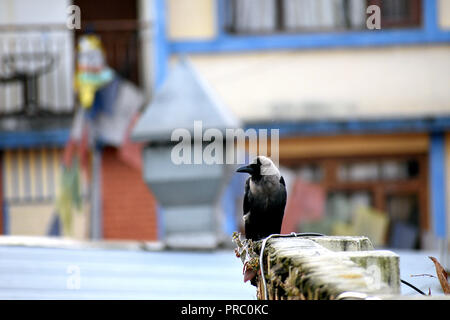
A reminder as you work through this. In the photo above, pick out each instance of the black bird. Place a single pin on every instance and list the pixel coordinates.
(264, 199)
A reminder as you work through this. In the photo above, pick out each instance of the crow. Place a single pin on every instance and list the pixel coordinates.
(264, 199)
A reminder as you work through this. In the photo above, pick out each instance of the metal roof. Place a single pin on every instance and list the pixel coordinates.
(181, 100)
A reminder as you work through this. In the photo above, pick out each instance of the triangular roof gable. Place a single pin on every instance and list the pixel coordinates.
(181, 100)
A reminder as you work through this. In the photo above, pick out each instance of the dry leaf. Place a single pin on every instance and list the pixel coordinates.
(249, 273)
(442, 275)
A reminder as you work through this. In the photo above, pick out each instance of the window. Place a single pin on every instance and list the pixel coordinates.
(390, 191)
(399, 13)
(310, 173)
(378, 170)
(273, 16)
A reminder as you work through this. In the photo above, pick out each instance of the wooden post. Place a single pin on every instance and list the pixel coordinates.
(96, 195)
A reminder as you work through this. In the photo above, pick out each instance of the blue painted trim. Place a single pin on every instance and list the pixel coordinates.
(161, 225)
(161, 44)
(328, 127)
(228, 207)
(31, 139)
(438, 185)
(229, 43)
(429, 33)
(11, 140)
(161, 66)
(220, 21)
(430, 16)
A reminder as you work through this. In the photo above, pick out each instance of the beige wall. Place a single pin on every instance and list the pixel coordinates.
(341, 83)
(29, 219)
(444, 14)
(188, 19)
(30, 11)
(35, 220)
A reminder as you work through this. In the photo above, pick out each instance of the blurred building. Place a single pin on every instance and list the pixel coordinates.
(363, 114)
(38, 55)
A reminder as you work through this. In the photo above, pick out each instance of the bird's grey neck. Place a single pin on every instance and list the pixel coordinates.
(266, 180)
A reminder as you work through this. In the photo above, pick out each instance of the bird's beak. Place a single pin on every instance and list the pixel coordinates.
(247, 169)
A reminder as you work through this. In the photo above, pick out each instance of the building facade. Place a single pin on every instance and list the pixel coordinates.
(363, 114)
(35, 133)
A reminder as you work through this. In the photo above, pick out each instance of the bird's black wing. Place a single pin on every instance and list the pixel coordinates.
(282, 181)
(246, 197)
(283, 196)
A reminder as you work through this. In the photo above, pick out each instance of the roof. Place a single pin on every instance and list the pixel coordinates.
(181, 100)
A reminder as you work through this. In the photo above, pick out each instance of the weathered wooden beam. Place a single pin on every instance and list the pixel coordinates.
(343, 243)
(320, 267)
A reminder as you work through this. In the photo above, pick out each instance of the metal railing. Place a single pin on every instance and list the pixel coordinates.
(37, 63)
(36, 69)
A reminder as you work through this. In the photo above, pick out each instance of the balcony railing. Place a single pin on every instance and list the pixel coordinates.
(37, 63)
(36, 69)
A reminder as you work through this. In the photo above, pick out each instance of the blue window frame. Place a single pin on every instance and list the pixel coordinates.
(438, 184)
(429, 32)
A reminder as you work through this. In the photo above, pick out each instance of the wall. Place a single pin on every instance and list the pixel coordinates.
(129, 208)
(33, 219)
(444, 14)
(30, 219)
(29, 11)
(339, 83)
(201, 20)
